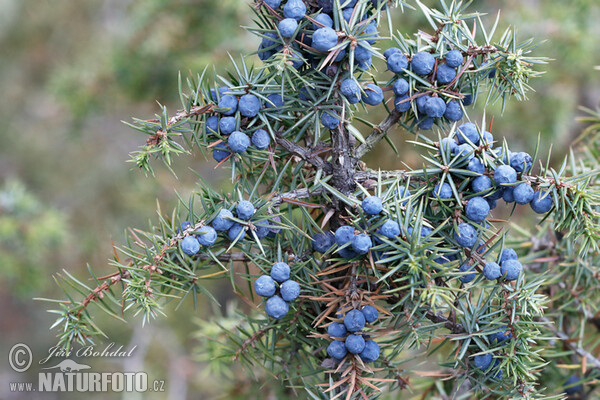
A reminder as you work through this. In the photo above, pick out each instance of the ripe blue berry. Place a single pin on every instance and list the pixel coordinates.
(468, 131)
(185, 225)
(344, 234)
(481, 184)
(491, 271)
(445, 74)
(467, 277)
(465, 235)
(373, 95)
(425, 123)
(372, 205)
(323, 242)
(350, 90)
(454, 58)
(277, 307)
(448, 144)
(261, 231)
(477, 209)
(280, 272)
(475, 165)
(422, 63)
(507, 254)
(505, 174)
(467, 100)
(523, 193)
(337, 350)
(542, 202)
(362, 243)
(347, 252)
(265, 286)
(511, 269)
(227, 125)
(261, 139)
(435, 107)
(355, 344)
(238, 142)
(212, 124)
(236, 232)
(290, 290)
(370, 31)
(220, 152)
(521, 161)
(502, 154)
(371, 351)
(400, 87)
(324, 20)
(274, 4)
(508, 194)
(189, 245)
(362, 54)
(402, 103)
(249, 105)
(454, 111)
(483, 361)
(287, 27)
(443, 192)
(501, 336)
(229, 103)
(336, 329)
(465, 151)
(354, 321)
(388, 52)
(245, 210)
(222, 221)
(324, 39)
(390, 229)
(207, 236)
(397, 63)
(275, 100)
(330, 119)
(371, 314)
(294, 9)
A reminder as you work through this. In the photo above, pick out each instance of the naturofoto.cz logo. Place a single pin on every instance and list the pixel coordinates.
(71, 376)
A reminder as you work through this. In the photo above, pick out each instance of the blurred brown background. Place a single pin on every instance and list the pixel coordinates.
(70, 71)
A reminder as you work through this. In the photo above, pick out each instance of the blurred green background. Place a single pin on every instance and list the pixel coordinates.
(70, 71)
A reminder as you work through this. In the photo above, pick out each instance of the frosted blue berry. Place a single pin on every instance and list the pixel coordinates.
(373, 95)
(523, 193)
(511, 269)
(372, 205)
(443, 192)
(421, 100)
(227, 125)
(508, 254)
(435, 107)
(400, 87)
(397, 63)
(275, 100)
(448, 145)
(264, 55)
(475, 165)
(371, 314)
(365, 65)
(212, 124)
(280, 272)
(261, 139)
(491, 202)
(354, 321)
(483, 361)
(324, 39)
(481, 184)
(185, 225)
(508, 194)
(425, 123)
(542, 202)
(465, 151)
(287, 27)
(468, 131)
(454, 111)
(362, 54)
(337, 350)
(500, 336)
(265, 286)
(491, 271)
(465, 235)
(229, 103)
(361, 243)
(422, 63)
(371, 32)
(347, 252)
(390, 229)
(274, 4)
(290, 290)
(467, 100)
(249, 105)
(323, 242)
(505, 174)
(222, 221)
(454, 58)
(445, 74)
(207, 236)
(350, 90)
(236, 232)
(344, 234)
(488, 138)
(330, 119)
(238, 142)
(347, 13)
(189, 245)
(355, 344)
(371, 351)
(402, 103)
(337, 330)
(245, 210)
(403, 192)
(388, 52)
(502, 154)
(477, 209)
(521, 161)
(294, 9)
(324, 20)
(277, 307)
(468, 271)
(261, 231)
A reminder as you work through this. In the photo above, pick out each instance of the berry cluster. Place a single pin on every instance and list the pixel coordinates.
(278, 288)
(348, 337)
(234, 124)
(205, 236)
(442, 72)
(488, 362)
